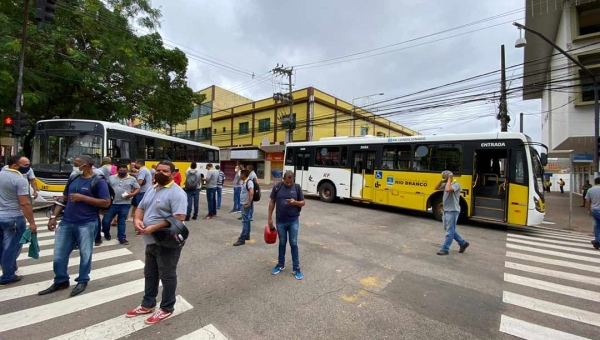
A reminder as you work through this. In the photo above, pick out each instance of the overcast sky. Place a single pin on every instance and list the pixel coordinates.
(256, 35)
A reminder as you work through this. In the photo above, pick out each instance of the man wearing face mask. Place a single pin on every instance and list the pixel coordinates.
(29, 176)
(83, 197)
(144, 178)
(125, 188)
(16, 207)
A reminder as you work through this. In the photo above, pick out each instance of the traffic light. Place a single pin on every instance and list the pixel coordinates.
(9, 124)
(20, 124)
(44, 12)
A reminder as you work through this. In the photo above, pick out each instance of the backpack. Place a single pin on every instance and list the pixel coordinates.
(298, 189)
(191, 181)
(256, 196)
(94, 187)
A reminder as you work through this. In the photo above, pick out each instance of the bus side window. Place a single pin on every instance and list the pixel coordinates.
(344, 156)
(289, 156)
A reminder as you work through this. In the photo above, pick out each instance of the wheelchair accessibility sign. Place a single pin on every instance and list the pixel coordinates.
(378, 175)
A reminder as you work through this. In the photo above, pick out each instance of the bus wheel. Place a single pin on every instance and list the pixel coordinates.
(327, 193)
(437, 207)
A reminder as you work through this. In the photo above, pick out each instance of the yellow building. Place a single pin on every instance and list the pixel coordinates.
(252, 132)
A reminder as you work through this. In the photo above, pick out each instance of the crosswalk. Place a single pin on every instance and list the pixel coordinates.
(552, 285)
(116, 275)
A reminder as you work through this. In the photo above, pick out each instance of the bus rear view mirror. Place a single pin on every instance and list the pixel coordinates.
(544, 159)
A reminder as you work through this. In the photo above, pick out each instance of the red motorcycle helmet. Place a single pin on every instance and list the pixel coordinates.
(270, 235)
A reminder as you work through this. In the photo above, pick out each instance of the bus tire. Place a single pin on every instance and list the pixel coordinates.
(326, 193)
(437, 208)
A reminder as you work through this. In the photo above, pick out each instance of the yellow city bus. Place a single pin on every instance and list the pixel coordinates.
(57, 142)
(501, 174)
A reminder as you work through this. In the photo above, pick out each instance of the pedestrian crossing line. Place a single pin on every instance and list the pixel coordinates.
(542, 244)
(50, 252)
(34, 288)
(112, 242)
(47, 266)
(553, 253)
(78, 303)
(552, 287)
(548, 240)
(120, 326)
(561, 263)
(553, 273)
(209, 332)
(530, 331)
(44, 235)
(564, 235)
(584, 240)
(552, 308)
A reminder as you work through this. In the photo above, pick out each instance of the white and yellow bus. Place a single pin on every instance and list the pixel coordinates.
(57, 142)
(501, 174)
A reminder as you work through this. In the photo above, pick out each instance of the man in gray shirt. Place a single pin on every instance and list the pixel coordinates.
(592, 200)
(29, 176)
(125, 187)
(144, 178)
(164, 200)
(211, 180)
(246, 198)
(451, 202)
(16, 207)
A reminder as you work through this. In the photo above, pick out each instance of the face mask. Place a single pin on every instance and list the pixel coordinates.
(76, 170)
(24, 169)
(161, 178)
(122, 173)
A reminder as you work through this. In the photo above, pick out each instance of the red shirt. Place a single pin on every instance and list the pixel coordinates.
(177, 178)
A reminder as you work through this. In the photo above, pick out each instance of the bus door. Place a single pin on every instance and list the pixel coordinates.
(302, 161)
(363, 175)
(490, 184)
(518, 190)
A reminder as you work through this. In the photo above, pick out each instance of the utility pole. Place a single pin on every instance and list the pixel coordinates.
(503, 108)
(18, 102)
(288, 121)
(521, 123)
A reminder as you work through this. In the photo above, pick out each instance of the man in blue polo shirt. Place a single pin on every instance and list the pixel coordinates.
(78, 225)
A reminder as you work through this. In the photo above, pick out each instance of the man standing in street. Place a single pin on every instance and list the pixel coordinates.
(30, 177)
(78, 226)
(585, 189)
(16, 207)
(289, 200)
(192, 189)
(211, 179)
(251, 177)
(144, 178)
(561, 185)
(246, 198)
(237, 189)
(219, 185)
(592, 199)
(451, 202)
(163, 200)
(125, 188)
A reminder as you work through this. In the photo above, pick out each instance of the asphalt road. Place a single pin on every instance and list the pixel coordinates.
(369, 273)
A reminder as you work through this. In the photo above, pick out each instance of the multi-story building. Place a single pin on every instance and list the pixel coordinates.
(565, 90)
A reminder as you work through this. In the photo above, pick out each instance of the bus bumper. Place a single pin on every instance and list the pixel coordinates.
(48, 196)
(535, 218)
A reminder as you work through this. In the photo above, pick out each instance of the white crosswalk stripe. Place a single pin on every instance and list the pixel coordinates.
(565, 268)
(114, 325)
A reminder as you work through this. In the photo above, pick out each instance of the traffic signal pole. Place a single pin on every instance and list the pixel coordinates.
(20, 77)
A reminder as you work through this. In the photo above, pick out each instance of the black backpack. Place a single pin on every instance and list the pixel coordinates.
(256, 196)
(192, 181)
(94, 186)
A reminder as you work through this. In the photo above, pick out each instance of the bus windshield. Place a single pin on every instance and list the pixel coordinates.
(537, 170)
(55, 151)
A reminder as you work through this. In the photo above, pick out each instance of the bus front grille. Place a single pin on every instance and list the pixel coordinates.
(54, 181)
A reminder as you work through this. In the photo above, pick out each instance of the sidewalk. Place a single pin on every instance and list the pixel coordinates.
(557, 213)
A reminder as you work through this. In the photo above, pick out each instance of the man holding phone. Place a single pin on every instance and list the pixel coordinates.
(451, 201)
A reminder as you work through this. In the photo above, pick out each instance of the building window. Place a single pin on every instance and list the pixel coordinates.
(588, 18)
(244, 128)
(204, 134)
(264, 125)
(224, 129)
(380, 134)
(592, 62)
(287, 123)
(364, 130)
(215, 131)
(438, 157)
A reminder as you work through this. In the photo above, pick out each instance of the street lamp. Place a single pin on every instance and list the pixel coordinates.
(521, 42)
(354, 109)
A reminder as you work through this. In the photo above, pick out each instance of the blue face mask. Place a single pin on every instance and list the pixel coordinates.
(24, 169)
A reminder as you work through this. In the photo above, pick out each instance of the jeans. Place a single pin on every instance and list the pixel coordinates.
(121, 211)
(562, 189)
(596, 217)
(193, 197)
(11, 230)
(219, 195)
(212, 201)
(161, 264)
(449, 220)
(237, 191)
(67, 236)
(283, 229)
(246, 222)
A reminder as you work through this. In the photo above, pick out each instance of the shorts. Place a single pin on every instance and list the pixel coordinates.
(137, 199)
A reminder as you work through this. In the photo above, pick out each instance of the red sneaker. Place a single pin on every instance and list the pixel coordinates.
(139, 311)
(157, 317)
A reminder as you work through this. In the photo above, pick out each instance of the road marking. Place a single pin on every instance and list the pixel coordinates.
(541, 244)
(568, 264)
(551, 232)
(78, 303)
(548, 240)
(553, 287)
(551, 308)
(120, 326)
(209, 332)
(34, 288)
(530, 331)
(73, 261)
(553, 273)
(112, 242)
(45, 235)
(553, 253)
(549, 236)
(50, 251)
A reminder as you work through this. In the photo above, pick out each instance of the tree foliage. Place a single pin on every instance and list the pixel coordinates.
(98, 60)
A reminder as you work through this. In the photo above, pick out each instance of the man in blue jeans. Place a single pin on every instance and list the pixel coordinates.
(246, 199)
(125, 187)
(211, 179)
(237, 190)
(16, 207)
(287, 197)
(220, 185)
(592, 200)
(192, 190)
(78, 225)
(451, 202)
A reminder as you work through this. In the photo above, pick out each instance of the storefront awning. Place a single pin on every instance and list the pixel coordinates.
(272, 148)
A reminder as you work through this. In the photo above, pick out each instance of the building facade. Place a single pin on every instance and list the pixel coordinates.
(566, 91)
